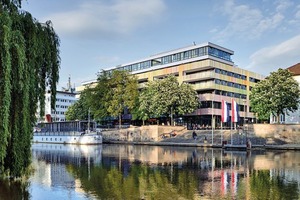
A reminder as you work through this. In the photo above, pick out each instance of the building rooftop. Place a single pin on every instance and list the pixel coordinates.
(295, 69)
(178, 56)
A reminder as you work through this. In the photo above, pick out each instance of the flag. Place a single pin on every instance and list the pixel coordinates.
(225, 111)
(234, 111)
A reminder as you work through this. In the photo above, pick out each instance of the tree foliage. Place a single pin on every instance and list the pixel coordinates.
(112, 94)
(276, 94)
(98, 96)
(80, 109)
(29, 64)
(167, 97)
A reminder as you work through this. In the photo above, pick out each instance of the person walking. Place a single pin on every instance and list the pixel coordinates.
(194, 135)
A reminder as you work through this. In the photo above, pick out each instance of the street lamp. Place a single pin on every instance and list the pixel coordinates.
(245, 115)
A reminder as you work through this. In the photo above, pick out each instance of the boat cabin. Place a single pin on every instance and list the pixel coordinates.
(67, 126)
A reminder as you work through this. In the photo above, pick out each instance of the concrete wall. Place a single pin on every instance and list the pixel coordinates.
(143, 133)
(290, 133)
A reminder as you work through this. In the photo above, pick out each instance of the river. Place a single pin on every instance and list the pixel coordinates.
(156, 172)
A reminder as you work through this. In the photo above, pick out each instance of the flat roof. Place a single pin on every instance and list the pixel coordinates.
(174, 51)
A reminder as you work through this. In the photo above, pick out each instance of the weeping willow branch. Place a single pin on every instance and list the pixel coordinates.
(29, 65)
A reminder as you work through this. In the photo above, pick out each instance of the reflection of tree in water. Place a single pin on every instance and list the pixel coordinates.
(14, 189)
(141, 182)
(264, 186)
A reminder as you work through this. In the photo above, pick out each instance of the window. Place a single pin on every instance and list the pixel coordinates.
(195, 53)
(145, 65)
(135, 67)
(167, 59)
(186, 54)
(127, 68)
(202, 51)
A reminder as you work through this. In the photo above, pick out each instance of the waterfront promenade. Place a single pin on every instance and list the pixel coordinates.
(221, 139)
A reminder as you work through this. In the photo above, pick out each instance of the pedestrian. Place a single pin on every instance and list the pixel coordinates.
(194, 135)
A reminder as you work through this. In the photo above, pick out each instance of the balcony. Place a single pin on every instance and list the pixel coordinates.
(204, 75)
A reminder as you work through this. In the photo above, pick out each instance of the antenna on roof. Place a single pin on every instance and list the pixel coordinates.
(194, 43)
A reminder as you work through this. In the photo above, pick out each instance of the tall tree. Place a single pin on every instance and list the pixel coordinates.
(275, 95)
(123, 93)
(168, 97)
(112, 94)
(78, 111)
(29, 64)
(98, 97)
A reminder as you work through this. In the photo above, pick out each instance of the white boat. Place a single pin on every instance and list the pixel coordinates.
(69, 132)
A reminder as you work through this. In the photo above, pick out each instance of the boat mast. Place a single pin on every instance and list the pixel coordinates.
(88, 121)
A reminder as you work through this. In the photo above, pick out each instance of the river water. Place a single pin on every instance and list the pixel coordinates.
(152, 172)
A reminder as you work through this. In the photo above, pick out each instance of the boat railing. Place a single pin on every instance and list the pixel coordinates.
(61, 133)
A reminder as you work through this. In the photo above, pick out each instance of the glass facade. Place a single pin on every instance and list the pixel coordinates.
(184, 55)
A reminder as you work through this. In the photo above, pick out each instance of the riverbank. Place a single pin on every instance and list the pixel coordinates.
(228, 139)
(206, 145)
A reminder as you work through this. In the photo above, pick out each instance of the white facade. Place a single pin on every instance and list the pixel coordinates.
(63, 101)
(293, 117)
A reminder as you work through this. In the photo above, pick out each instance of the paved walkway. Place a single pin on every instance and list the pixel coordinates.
(195, 144)
(204, 139)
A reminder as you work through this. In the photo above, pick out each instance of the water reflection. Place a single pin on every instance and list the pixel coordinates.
(151, 172)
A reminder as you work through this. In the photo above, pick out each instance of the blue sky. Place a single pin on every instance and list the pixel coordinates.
(99, 34)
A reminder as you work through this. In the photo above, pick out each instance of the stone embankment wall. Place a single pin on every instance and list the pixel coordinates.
(287, 133)
(257, 133)
(144, 133)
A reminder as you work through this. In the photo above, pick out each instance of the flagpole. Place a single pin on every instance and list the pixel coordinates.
(212, 121)
(231, 122)
(221, 133)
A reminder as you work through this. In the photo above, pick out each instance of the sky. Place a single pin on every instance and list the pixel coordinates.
(99, 34)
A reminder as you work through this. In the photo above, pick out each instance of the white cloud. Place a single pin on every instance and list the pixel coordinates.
(297, 15)
(282, 5)
(271, 58)
(98, 19)
(249, 23)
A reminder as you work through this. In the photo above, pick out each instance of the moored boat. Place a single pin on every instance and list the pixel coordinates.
(68, 132)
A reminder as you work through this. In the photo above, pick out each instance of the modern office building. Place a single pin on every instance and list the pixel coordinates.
(210, 70)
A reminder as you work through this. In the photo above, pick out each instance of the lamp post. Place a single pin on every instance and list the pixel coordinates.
(212, 119)
(245, 115)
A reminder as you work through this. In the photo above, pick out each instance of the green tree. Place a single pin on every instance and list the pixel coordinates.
(98, 97)
(78, 111)
(275, 95)
(123, 93)
(168, 97)
(112, 94)
(29, 65)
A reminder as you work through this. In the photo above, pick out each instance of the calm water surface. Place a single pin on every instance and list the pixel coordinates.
(150, 172)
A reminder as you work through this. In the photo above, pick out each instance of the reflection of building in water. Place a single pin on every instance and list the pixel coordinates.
(50, 162)
(61, 177)
(42, 173)
(65, 154)
(152, 155)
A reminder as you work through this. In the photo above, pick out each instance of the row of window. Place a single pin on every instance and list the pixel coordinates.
(60, 139)
(57, 113)
(230, 84)
(61, 106)
(232, 74)
(219, 53)
(217, 105)
(178, 57)
(65, 100)
(231, 94)
(254, 80)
